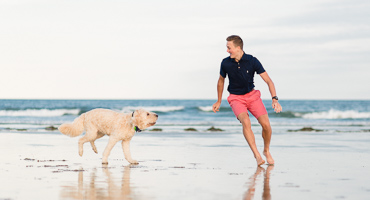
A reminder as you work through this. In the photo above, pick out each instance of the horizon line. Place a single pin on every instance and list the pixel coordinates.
(122, 99)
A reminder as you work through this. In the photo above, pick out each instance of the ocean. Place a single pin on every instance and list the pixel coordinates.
(177, 116)
(321, 150)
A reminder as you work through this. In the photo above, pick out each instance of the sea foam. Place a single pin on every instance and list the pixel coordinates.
(154, 108)
(336, 114)
(39, 113)
(205, 108)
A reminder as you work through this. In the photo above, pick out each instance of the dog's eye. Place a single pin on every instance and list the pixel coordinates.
(147, 114)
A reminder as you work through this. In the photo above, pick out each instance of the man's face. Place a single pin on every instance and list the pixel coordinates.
(232, 50)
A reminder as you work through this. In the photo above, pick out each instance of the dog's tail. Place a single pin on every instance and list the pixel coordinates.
(74, 129)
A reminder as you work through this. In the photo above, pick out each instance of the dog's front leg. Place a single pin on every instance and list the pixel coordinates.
(126, 151)
(111, 143)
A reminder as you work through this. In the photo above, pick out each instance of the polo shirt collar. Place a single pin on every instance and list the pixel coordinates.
(244, 57)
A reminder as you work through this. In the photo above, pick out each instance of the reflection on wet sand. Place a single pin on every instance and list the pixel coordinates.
(96, 189)
(266, 194)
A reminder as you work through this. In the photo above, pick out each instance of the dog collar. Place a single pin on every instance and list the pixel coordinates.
(137, 129)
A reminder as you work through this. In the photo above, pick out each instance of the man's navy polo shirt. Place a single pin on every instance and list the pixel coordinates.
(241, 73)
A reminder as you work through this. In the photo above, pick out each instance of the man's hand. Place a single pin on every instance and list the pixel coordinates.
(276, 106)
(216, 106)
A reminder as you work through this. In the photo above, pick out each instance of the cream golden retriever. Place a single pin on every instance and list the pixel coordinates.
(118, 126)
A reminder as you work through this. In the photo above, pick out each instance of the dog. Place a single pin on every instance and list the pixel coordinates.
(118, 126)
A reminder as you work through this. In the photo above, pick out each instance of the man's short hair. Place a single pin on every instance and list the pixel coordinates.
(238, 42)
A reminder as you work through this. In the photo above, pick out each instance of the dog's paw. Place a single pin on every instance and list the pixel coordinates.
(81, 153)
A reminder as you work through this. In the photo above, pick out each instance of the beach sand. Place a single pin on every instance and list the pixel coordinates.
(200, 165)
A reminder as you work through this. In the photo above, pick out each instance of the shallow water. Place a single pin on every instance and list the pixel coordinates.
(177, 115)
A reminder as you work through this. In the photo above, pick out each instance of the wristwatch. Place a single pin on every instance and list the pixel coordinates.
(275, 97)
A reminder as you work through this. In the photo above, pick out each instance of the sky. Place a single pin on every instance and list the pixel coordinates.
(164, 49)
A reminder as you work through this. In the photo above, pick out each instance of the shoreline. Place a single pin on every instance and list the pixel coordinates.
(206, 166)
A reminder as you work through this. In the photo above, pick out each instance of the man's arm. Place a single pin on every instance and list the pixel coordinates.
(275, 104)
(220, 90)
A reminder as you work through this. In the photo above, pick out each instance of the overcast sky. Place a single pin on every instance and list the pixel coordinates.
(117, 49)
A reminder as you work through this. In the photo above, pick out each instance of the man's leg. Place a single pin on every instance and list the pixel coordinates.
(249, 136)
(266, 135)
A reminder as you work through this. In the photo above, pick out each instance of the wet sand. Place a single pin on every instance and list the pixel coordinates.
(186, 166)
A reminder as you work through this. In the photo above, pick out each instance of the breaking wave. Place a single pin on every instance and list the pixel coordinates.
(39, 112)
(162, 109)
(335, 114)
(205, 108)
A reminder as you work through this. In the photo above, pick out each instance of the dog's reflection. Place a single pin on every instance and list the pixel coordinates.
(96, 189)
(266, 194)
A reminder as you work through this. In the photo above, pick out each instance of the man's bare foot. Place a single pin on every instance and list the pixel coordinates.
(260, 161)
(269, 158)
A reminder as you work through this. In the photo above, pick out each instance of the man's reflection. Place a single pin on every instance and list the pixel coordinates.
(266, 195)
(94, 189)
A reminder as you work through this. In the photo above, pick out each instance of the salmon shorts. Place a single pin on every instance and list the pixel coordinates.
(251, 102)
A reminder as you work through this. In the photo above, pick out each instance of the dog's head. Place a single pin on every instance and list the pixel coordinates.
(144, 119)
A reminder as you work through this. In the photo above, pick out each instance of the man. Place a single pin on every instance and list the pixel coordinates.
(240, 68)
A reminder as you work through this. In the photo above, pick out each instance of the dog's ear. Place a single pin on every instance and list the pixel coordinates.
(136, 117)
(134, 113)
